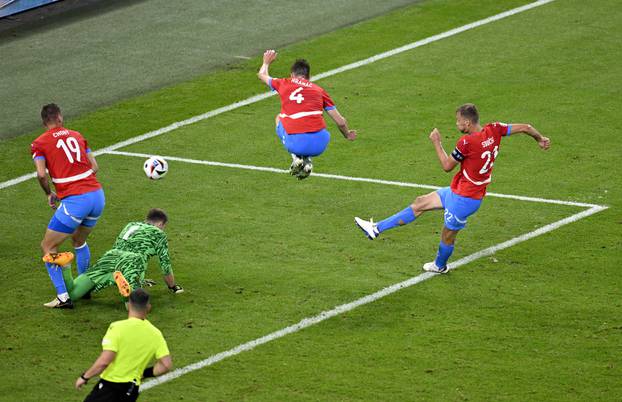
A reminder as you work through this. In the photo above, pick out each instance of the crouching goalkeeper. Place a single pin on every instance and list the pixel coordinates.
(126, 263)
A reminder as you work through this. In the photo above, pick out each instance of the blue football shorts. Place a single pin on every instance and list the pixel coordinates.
(457, 208)
(78, 210)
(305, 144)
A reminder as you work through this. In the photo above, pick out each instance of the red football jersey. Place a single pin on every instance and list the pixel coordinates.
(302, 104)
(65, 152)
(476, 153)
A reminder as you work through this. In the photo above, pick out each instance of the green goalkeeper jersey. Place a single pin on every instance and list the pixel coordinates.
(147, 240)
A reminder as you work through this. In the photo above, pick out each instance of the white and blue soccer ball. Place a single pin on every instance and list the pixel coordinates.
(155, 167)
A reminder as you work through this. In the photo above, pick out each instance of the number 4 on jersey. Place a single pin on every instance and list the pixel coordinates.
(297, 95)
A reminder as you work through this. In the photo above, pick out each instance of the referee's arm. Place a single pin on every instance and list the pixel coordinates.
(163, 365)
(106, 357)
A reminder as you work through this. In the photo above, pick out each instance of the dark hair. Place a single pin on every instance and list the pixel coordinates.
(139, 298)
(469, 112)
(301, 67)
(157, 215)
(50, 112)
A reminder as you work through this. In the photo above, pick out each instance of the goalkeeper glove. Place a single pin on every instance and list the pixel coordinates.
(149, 283)
(176, 289)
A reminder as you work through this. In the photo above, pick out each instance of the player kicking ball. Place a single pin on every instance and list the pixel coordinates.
(126, 263)
(300, 125)
(476, 152)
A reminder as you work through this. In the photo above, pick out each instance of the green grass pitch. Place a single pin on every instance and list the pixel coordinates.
(259, 251)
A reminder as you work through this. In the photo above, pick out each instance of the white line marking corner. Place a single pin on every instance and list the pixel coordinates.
(324, 315)
(349, 178)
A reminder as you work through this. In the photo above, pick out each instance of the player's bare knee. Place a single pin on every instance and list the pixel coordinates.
(419, 204)
(77, 241)
(416, 210)
(449, 236)
(47, 247)
(422, 200)
(449, 241)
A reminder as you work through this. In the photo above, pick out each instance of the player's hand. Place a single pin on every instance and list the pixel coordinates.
(544, 143)
(176, 289)
(351, 135)
(80, 383)
(435, 136)
(149, 283)
(269, 56)
(52, 200)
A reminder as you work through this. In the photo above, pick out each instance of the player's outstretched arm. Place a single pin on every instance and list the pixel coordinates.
(268, 57)
(163, 365)
(543, 142)
(447, 163)
(42, 177)
(94, 165)
(342, 123)
(170, 282)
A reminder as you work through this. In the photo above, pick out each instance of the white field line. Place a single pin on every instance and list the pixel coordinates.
(324, 315)
(17, 180)
(350, 178)
(257, 98)
(386, 291)
(369, 298)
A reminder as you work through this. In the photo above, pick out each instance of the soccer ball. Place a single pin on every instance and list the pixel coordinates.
(155, 167)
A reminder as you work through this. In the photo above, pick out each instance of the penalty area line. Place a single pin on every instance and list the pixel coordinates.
(351, 178)
(338, 70)
(343, 308)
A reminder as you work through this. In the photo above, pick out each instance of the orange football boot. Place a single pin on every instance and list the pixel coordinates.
(61, 259)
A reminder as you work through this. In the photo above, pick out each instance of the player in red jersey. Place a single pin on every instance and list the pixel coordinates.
(476, 152)
(300, 124)
(71, 166)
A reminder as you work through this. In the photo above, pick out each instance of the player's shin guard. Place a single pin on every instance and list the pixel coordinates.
(444, 252)
(56, 275)
(403, 217)
(83, 258)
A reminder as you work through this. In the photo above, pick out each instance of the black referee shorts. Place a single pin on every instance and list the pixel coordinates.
(106, 391)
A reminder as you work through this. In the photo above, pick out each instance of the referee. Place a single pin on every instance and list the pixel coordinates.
(129, 346)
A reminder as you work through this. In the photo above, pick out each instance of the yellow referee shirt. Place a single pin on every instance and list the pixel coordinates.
(137, 343)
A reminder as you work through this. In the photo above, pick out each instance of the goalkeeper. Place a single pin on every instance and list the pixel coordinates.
(125, 264)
